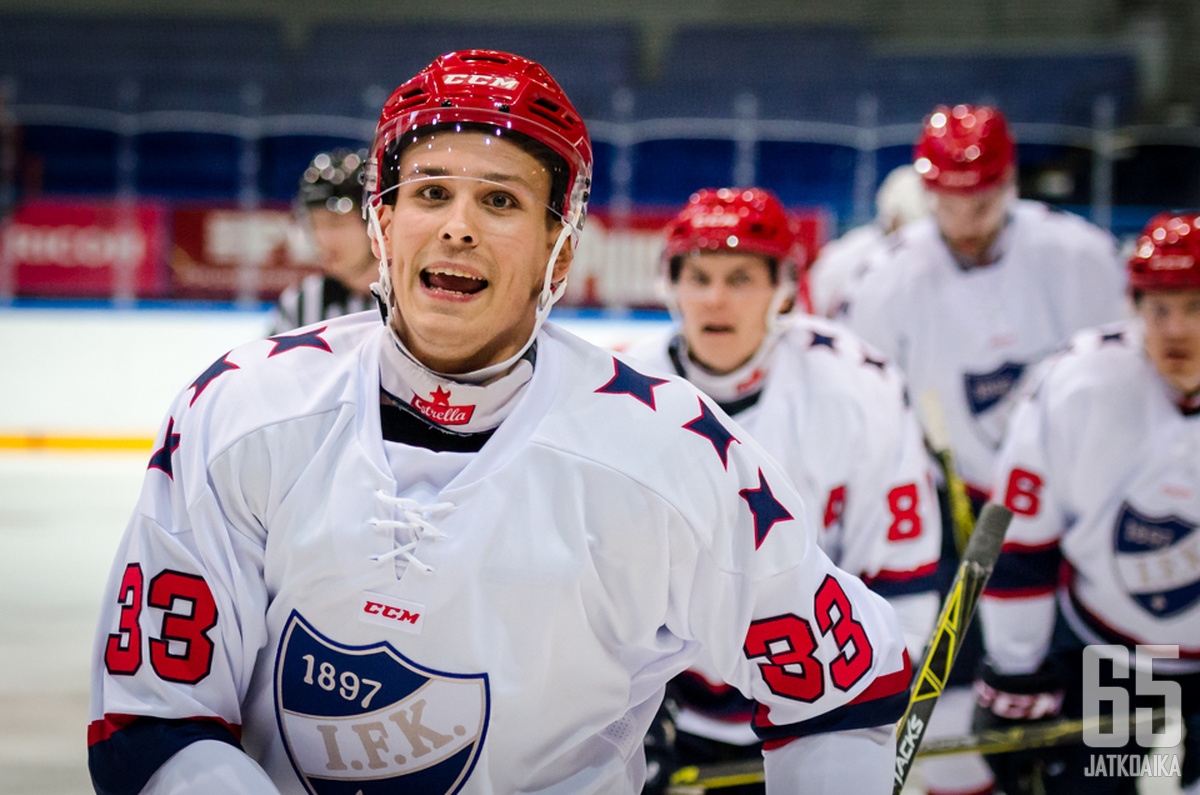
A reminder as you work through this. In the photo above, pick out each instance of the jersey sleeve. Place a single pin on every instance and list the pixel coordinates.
(1017, 609)
(183, 613)
(813, 647)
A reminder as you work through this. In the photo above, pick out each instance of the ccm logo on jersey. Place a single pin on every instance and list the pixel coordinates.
(388, 611)
(492, 81)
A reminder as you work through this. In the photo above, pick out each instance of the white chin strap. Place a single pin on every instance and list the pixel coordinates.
(547, 298)
(786, 289)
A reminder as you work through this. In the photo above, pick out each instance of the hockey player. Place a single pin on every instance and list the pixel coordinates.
(964, 302)
(462, 551)
(900, 199)
(827, 407)
(329, 205)
(1100, 470)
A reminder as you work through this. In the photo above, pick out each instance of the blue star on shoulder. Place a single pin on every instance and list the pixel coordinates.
(766, 509)
(1115, 336)
(627, 381)
(708, 426)
(821, 339)
(162, 456)
(880, 363)
(309, 339)
(222, 365)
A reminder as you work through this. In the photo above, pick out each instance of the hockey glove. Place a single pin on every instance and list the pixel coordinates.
(1003, 701)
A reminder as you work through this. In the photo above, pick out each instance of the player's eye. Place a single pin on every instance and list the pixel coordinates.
(500, 200)
(433, 192)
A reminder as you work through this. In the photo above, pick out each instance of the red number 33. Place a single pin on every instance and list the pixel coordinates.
(182, 652)
(788, 643)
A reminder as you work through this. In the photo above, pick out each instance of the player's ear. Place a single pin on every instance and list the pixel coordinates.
(563, 264)
(384, 214)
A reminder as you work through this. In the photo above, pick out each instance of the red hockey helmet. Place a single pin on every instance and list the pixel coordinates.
(752, 220)
(964, 149)
(1167, 254)
(506, 93)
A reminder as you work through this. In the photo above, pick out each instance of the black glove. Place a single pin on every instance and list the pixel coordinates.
(659, 745)
(1005, 700)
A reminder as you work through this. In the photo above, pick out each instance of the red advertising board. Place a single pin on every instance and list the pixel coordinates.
(619, 258)
(227, 253)
(85, 249)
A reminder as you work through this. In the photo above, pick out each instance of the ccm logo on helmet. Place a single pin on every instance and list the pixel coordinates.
(958, 179)
(712, 220)
(492, 81)
(1171, 262)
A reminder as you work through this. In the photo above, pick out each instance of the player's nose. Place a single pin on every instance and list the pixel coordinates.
(459, 225)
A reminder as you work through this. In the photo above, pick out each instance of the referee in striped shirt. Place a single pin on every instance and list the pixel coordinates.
(329, 202)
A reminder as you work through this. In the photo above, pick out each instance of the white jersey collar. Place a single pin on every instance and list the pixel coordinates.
(732, 386)
(455, 405)
(995, 252)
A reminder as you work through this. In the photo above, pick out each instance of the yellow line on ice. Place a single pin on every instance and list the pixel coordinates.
(97, 443)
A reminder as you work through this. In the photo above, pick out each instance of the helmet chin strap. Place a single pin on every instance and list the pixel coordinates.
(783, 291)
(549, 295)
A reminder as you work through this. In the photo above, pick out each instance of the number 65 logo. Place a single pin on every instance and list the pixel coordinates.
(1095, 694)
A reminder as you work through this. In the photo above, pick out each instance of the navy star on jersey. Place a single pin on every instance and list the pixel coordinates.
(1115, 336)
(627, 381)
(708, 426)
(821, 339)
(766, 509)
(222, 365)
(309, 339)
(880, 363)
(162, 457)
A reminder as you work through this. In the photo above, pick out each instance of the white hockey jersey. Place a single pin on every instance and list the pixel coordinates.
(970, 335)
(362, 628)
(1102, 470)
(839, 264)
(835, 415)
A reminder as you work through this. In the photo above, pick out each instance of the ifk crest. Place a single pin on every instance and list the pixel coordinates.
(366, 720)
(1158, 561)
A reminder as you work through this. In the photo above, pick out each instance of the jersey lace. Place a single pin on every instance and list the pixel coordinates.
(413, 525)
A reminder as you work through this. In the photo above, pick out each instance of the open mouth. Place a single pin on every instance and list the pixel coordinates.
(449, 280)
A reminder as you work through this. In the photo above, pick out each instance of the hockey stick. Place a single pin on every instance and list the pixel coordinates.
(938, 441)
(1024, 737)
(720, 775)
(957, 611)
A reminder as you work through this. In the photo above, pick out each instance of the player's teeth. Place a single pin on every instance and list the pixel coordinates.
(452, 272)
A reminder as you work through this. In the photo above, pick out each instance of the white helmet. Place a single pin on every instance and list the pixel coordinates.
(901, 198)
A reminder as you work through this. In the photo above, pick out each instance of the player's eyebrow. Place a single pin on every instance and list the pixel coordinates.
(491, 176)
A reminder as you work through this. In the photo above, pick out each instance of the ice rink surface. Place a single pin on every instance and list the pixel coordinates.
(61, 516)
